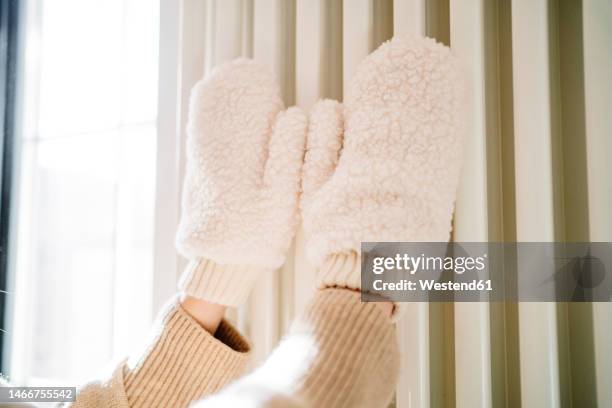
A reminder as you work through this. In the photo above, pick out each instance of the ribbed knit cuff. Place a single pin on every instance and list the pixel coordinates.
(184, 362)
(340, 270)
(344, 271)
(228, 285)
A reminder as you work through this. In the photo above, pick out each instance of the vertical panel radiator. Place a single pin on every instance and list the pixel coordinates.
(537, 168)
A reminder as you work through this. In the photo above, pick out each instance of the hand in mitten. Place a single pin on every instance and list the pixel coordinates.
(240, 197)
(385, 165)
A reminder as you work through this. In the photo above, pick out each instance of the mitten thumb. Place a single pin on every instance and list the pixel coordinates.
(323, 145)
(283, 167)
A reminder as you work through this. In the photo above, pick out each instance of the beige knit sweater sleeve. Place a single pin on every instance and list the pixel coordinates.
(182, 363)
(339, 353)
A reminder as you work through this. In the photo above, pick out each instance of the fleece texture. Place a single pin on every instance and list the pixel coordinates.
(384, 166)
(240, 196)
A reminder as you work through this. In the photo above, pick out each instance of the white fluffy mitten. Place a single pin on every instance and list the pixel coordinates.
(240, 197)
(385, 165)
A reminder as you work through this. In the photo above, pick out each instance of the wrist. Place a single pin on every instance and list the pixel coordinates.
(207, 314)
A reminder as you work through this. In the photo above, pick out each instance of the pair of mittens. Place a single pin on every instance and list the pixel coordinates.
(382, 166)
